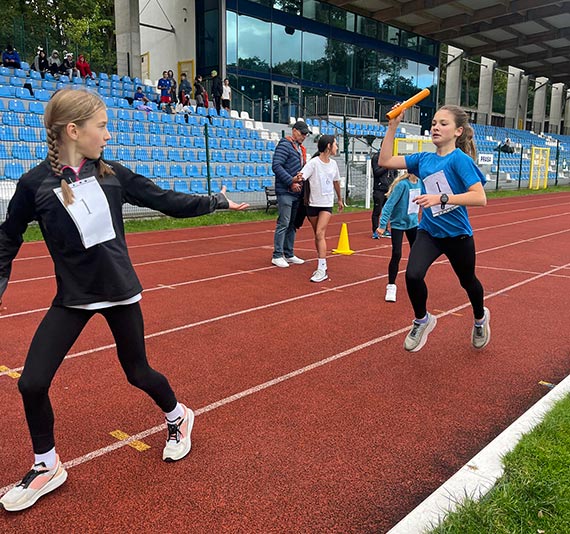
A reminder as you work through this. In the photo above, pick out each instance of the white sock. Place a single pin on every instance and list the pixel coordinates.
(178, 412)
(49, 458)
(322, 264)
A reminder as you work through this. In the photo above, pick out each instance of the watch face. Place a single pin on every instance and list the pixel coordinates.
(444, 198)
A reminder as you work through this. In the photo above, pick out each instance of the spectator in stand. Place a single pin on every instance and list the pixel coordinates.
(41, 63)
(217, 90)
(226, 95)
(139, 95)
(173, 94)
(68, 66)
(199, 91)
(11, 58)
(54, 63)
(164, 85)
(83, 67)
(184, 90)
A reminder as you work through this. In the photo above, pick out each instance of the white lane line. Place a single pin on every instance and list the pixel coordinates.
(260, 387)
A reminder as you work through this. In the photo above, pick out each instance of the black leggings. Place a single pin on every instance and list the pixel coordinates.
(397, 240)
(380, 199)
(460, 252)
(54, 338)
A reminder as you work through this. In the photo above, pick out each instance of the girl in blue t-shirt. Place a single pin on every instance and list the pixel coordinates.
(402, 213)
(450, 181)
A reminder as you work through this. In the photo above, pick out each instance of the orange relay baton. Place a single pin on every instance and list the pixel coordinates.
(424, 93)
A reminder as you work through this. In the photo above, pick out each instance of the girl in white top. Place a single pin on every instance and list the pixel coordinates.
(322, 177)
(226, 94)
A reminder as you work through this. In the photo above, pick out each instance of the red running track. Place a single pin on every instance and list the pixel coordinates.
(311, 418)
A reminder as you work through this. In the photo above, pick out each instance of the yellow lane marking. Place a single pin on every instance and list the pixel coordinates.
(135, 444)
(11, 374)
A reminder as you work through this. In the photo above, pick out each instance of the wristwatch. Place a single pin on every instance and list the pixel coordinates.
(443, 199)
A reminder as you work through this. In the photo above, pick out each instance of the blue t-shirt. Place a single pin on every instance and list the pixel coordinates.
(451, 174)
(164, 85)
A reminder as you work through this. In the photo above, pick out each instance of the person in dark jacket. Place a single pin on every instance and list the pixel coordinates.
(77, 199)
(289, 158)
(11, 58)
(217, 90)
(382, 179)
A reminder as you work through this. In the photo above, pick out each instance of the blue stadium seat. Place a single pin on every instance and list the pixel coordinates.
(255, 185)
(243, 157)
(4, 153)
(124, 153)
(5, 91)
(174, 155)
(171, 141)
(168, 129)
(154, 128)
(37, 108)
(249, 170)
(181, 186)
(163, 184)
(11, 119)
(176, 171)
(124, 139)
(143, 169)
(231, 156)
(27, 134)
(155, 140)
(216, 156)
(231, 188)
(198, 187)
(7, 133)
(192, 171)
(189, 155)
(215, 186)
(261, 170)
(142, 154)
(13, 170)
(16, 106)
(159, 171)
(235, 170)
(185, 142)
(221, 171)
(22, 152)
(157, 154)
(41, 151)
(267, 182)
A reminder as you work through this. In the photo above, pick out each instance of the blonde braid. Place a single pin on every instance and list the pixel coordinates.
(53, 157)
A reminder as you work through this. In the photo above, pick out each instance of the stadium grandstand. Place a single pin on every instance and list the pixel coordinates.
(339, 65)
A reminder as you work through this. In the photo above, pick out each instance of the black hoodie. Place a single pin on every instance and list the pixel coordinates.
(103, 272)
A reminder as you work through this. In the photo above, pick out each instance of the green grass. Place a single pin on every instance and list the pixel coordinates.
(533, 495)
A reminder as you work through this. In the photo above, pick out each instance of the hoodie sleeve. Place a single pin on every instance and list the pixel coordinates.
(21, 211)
(393, 199)
(143, 192)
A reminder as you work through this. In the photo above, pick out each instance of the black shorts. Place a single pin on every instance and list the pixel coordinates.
(313, 211)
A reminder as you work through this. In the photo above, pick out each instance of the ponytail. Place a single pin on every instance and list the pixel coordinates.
(465, 141)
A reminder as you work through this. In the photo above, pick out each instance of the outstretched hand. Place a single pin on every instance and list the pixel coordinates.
(234, 205)
(397, 119)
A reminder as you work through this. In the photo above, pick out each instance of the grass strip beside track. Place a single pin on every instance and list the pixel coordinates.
(532, 495)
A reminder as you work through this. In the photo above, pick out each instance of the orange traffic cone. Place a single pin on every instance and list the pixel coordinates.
(343, 245)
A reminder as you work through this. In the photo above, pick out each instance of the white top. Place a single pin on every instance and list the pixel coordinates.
(321, 177)
(226, 92)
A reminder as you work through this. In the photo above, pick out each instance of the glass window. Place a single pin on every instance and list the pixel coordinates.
(288, 6)
(231, 38)
(408, 78)
(367, 27)
(286, 51)
(339, 18)
(267, 3)
(427, 46)
(315, 67)
(314, 10)
(340, 58)
(254, 44)
(393, 35)
(427, 77)
(409, 40)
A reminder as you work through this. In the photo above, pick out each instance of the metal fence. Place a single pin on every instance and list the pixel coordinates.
(338, 105)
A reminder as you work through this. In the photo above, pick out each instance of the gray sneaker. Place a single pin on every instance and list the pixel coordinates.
(481, 335)
(418, 335)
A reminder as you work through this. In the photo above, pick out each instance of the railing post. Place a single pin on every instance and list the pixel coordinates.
(206, 137)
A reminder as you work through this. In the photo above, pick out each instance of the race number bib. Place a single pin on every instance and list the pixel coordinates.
(436, 184)
(412, 206)
(90, 211)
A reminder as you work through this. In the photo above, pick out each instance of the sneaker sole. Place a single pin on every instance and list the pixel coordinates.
(428, 330)
(280, 266)
(390, 299)
(320, 279)
(488, 314)
(52, 485)
(185, 452)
